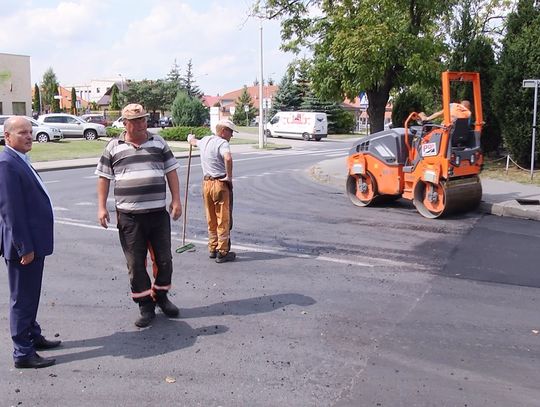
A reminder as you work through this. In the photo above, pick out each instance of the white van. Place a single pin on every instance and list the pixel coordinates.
(308, 125)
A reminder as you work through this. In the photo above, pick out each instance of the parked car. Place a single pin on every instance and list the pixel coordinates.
(165, 121)
(73, 126)
(118, 123)
(94, 118)
(40, 132)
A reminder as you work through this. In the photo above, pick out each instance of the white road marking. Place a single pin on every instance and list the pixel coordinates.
(51, 182)
(85, 204)
(377, 262)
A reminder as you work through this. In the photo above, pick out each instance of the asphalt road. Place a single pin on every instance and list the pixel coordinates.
(327, 305)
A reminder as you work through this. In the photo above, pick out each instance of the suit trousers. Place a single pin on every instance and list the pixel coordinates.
(25, 291)
(137, 232)
(217, 205)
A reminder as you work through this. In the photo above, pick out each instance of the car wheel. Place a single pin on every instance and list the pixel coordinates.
(305, 136)
(268, 133)
(90, 134)
(42, 138)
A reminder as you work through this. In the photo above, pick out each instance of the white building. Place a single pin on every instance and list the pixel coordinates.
(93, 91)
(15, 85)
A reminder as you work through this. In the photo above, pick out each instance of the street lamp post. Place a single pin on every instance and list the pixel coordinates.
(261, 113)
(533, 83)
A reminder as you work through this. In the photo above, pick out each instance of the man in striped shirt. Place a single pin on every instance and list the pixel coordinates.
(139, 163)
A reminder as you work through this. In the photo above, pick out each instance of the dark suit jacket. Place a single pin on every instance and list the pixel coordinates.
(26, 217)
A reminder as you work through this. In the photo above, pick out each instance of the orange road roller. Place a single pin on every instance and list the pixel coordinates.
(435, 166)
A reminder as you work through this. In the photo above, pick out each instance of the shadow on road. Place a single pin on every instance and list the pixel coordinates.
(165, 336)
(161, 338)
(255, 305)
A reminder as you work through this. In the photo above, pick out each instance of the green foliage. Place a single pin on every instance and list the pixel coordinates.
(49, 86)
(115, 103)
(113, 131)
(288, 97)
(36, 104)
(412, 99)
(240, 115)
(520, 59)
(370, 45)
(188, 111)
(153, 95)
(340, 121)
(181, 133)
(73, 101)
(191, 89)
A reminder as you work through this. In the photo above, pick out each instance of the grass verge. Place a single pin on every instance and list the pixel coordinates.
(71, 150)
(496, 169)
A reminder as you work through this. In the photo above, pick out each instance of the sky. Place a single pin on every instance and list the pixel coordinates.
(83, 40)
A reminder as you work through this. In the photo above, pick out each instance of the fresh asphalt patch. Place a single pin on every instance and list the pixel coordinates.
(483, 255)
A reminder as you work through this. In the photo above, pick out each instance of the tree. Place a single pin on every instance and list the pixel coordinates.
(370, 45)
(520, 59)
(49, 86)
(287, 97)
(192, 89)
(36, 103)
(188, 111)
(73, 101)
(151, 94)
(240, 115)
(472, 51)
(115, 104)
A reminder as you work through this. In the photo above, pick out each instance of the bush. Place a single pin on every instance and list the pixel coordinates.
(113, 131)
(341, 122)
(181, 133)
(188, 111)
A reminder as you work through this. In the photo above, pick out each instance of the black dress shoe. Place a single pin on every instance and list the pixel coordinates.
(212, 254)
(34, 362)
(43, 344)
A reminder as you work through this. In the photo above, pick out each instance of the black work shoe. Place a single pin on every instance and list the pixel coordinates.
(148, 313)
(212, 254)
(168, 307)
(43, 344)
(34, 362)
(222, 258)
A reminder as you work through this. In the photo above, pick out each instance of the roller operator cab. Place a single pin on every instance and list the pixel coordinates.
(307, 125)
(436, 166)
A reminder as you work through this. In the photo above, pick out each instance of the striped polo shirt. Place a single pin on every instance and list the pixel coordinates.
(138, 173)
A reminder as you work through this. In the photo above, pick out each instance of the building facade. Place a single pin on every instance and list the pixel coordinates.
(15, 85)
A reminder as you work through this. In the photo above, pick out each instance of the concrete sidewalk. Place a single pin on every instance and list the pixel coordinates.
(502, 198)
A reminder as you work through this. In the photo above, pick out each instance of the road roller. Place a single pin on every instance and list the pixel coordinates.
(436, 166)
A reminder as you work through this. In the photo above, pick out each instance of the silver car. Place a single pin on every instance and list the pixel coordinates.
(73, 126)
(40, 132)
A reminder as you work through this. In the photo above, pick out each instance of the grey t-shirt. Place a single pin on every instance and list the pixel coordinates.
(212, 150)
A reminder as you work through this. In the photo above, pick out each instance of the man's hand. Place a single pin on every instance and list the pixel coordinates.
(103, 217)
(175, 209)
(27, 259)
(190, 137)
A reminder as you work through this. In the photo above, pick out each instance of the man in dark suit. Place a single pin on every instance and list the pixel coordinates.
(26, 237)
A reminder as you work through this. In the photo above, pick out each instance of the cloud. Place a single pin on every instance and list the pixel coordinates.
(96, 39)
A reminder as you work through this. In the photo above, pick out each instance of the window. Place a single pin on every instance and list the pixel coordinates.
(1, 110)
(2, 120)
(19, 108)
(71, 120)
(55, 119)
(97, 90)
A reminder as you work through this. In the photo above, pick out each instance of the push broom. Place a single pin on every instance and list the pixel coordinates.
(186, 246)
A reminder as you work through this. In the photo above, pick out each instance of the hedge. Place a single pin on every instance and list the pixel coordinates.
(181, 133)
(113, 131)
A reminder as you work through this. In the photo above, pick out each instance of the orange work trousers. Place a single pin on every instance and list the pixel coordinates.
(217, 204)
